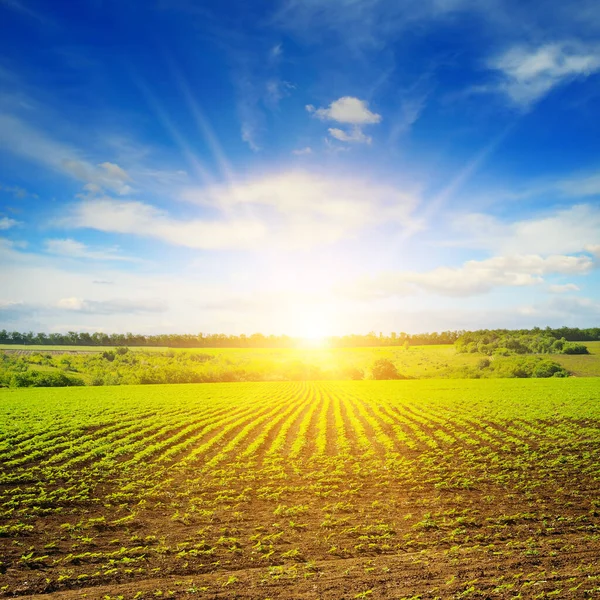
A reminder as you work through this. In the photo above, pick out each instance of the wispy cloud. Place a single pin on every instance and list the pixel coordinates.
(110, 307)
(140, 219)
(412, 103)
(260, 89)
(360, 23)
(23, 8)
(26, 141)
(302, 151)
(17, 192)
(586, 185)
(354, 135)
(74, 249)
(305, 208)
(563, 288)
(527, 73)
(293, 209)
(6, 223)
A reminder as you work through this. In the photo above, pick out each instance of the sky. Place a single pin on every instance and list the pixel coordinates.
(307, 167)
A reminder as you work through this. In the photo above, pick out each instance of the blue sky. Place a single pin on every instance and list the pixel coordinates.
(301, 167)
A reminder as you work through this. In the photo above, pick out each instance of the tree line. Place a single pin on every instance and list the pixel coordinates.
(504, 342)
(218, 340)
(259, 340)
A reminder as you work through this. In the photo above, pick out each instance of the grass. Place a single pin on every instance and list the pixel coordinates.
(416, 362)
(432, 488)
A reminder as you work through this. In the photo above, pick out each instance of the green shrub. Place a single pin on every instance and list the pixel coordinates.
(44, 379)
(385, 369)
(483, 363)
(571, 348)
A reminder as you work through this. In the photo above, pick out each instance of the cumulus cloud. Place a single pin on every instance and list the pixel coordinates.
(476, 276)
(6, 223)
(565, 230)
(529, 73)
(74, 249)
(348, 111)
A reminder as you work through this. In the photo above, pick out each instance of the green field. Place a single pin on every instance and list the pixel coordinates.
(407, 489)
(160, 365)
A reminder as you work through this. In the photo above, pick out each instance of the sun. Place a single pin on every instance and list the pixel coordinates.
(313, 328)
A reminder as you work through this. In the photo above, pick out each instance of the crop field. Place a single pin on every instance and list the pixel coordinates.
(369, 489)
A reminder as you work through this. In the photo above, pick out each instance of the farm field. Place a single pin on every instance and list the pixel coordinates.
(391, 489)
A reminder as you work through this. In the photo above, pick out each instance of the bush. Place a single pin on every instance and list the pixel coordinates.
(352, 373)
(570, 348)
(44, 379)
(526, 366)
(385, 369)
(548, 368)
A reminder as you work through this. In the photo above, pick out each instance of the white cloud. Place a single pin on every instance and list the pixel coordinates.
(276, 90)
(26, 141)
(346, 110)
(296, 209)
(6, 223)
(349, 111)
(248, 133)
(529, 73)
(563, 288)
(276, 52)
(74, 249)
(475, 276)
(115, 171)
(355, 135)
(363, 24)
(113, 306)
(17, 192)
(302, 151)
(581, 186)
(303, 209)
(512, 271)
(410, 109)
(562, 231)
(137, 218)
(106, 175)
(593, 249)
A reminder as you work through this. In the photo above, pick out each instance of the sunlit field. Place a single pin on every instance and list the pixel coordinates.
(404, 489)
(229, 364)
